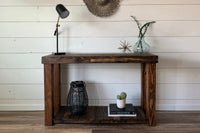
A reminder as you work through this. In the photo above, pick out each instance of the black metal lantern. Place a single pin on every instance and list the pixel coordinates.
(77, 100)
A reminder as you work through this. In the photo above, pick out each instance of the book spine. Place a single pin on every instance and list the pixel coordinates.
(122, 113)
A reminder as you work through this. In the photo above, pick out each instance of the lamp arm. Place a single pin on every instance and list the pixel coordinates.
(57, 25)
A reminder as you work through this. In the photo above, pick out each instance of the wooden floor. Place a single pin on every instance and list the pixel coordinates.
(33, 122)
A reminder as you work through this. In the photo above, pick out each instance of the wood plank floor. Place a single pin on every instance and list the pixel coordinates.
(33, 122)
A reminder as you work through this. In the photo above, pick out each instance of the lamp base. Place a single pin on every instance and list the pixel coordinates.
(60, 53)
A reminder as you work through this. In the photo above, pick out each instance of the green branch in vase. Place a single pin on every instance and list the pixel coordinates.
(145, 27)
(142, 32)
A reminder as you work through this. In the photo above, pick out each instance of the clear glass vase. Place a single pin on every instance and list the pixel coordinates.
(141, 47)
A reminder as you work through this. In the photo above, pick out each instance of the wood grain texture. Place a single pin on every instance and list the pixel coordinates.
(56, 87)
(33, 122)
(151, 93)
(146, 82)
(166, 60)
(48, 87)
(99, 58)
(97, 114)
(94, 113)
(143, 86)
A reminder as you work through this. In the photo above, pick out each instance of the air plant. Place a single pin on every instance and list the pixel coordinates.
(125, 47)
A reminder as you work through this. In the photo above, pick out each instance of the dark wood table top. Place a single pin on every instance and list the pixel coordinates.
(100, 58)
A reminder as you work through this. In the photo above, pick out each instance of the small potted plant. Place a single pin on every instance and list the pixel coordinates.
(121, 100)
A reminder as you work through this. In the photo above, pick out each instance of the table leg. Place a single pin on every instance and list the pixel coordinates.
(56, 90)
(48, 87)
(151, 93)
(143, 86)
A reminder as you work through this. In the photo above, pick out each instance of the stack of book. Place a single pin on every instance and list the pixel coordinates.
(114, 111)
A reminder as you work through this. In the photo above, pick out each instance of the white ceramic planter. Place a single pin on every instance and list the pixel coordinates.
(121, 103)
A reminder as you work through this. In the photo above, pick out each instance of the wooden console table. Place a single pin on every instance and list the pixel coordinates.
(55, 114)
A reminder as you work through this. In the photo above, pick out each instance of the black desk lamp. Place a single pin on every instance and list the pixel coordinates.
(63, 13)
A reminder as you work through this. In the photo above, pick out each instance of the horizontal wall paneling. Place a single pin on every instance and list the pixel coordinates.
(99, 29)
(81, 13)
(80, 2)
(96, 45)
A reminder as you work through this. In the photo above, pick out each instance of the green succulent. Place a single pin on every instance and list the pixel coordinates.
(122, 96)
(119, 97)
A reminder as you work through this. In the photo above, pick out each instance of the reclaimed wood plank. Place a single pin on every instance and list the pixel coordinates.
(99, 58)
(143, 86)
(151, 96)
(97, 114)
(48, 80)
(56, 88)
(168, 121)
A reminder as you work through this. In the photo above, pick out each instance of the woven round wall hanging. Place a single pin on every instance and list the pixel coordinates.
(102, 8)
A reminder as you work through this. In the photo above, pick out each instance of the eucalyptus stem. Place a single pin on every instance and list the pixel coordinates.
(145, 26)
(142, 31)
(140, 43)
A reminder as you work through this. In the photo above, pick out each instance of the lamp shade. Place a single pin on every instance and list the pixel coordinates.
(62, 11)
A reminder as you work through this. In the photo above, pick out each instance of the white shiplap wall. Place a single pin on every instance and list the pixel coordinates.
(26, 34)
